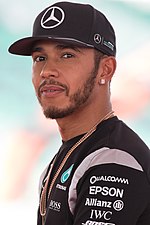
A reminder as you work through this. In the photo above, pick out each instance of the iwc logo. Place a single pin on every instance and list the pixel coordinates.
(53, 17)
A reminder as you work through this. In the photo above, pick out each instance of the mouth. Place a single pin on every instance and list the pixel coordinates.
(51, 90)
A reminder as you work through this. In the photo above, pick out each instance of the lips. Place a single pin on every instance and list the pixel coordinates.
(51, 90)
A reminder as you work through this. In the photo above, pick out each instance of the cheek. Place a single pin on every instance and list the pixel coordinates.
(35, 74)
(35, 80)
(78, 77)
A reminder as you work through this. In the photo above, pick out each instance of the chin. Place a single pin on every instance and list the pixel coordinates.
(56, 113)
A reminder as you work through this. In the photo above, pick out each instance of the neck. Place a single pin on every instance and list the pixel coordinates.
(77, 124)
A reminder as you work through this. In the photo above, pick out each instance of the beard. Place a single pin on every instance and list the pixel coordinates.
(76, 100)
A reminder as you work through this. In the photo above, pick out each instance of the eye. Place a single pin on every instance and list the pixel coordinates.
(39, 58)
(67, 55)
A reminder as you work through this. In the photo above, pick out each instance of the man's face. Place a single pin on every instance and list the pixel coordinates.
(63, 77)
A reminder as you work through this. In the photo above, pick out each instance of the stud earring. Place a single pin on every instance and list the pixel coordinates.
(102, 81)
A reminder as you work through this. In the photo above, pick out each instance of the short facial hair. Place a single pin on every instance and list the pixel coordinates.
(78, 99)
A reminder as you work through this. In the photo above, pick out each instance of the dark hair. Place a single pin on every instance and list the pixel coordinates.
(98, 55)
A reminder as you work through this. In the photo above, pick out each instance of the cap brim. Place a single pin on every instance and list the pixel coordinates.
(25, 46)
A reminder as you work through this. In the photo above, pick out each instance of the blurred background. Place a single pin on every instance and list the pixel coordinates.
(27, 140)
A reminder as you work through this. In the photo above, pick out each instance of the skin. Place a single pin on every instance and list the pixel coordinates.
(68, 88)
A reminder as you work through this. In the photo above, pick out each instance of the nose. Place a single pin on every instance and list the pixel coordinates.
(49, 70)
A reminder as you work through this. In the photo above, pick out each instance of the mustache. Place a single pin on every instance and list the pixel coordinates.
(51, 82)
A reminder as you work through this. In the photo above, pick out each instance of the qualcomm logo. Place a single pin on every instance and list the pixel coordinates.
(114, 179)
(66, 174)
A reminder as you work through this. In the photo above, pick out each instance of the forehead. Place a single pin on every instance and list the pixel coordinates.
(58, 45)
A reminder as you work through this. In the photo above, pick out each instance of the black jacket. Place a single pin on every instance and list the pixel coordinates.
(105, 181)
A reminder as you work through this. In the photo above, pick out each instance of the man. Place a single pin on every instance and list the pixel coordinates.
(101, 173)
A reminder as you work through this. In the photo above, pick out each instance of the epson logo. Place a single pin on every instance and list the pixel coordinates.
(55, 205)
(106, 191)
(113, 179)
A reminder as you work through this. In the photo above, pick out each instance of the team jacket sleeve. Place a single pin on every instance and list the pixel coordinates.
(110, 189)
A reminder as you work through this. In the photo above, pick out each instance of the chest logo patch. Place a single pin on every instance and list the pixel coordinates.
(66, 174)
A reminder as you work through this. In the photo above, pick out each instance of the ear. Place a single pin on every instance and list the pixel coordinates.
(106, 69)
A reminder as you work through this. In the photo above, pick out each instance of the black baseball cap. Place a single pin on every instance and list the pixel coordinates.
(79, 24)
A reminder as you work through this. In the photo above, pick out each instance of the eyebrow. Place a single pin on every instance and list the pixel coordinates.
(66, 46)
(36, 49)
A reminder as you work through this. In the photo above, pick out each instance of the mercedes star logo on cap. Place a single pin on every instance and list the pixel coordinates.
(53, 17)
(97, 38)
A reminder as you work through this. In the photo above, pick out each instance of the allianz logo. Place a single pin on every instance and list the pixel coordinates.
(113, 179)
(99, 203)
